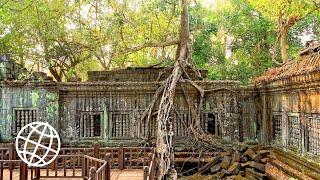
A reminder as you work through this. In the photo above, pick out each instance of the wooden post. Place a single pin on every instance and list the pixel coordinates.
(150, 156)
(121, 157)
(1, 171)
(108, 167)
(23, 171)
(145, 172)
(93, 172)
(37, 173)
(54, 163)
(11, 156)
(96, 153)
(84, 166)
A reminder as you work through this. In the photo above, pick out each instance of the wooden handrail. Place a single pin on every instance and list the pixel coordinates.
(63, 155)
(150, 172)
(103, 170)
(94, 159)
(93, 173)
(103, 158)
(10, 161)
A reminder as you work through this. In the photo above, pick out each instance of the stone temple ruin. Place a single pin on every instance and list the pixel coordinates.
(281, 108)
(108, 107)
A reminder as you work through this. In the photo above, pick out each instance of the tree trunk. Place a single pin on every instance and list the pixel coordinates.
(47, 59)
(164, 144)
(284, 44)
(55, 74)
(283, 35)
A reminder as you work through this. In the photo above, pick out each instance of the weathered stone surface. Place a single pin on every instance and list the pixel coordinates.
(243, 148)
(214, 161)
(226, 162)
(215, 168)
(257, 157)
(250, 177)
(245, 164)
(234, 168)
(220, 175)
(264, 160)
(236, 157)
(231, 177)
(264, 152)
(16, 103)
(250, 153)
(258, 147)
(255, 165)
(243, 159)
(239, 177)
(258, 166)
(255, 174)
(224, 172)
(225, 153)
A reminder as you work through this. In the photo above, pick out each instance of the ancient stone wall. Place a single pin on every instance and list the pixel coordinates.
(283, 112)
(224, 106)
(120, 106)
(24, 104)
(290, 99)
(292, 121)
(250, 116)
(136, 75)
(9, 69)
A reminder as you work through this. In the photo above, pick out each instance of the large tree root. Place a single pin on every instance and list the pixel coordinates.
(164, 143)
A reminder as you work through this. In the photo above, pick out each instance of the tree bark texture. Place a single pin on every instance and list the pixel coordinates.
(164, 146)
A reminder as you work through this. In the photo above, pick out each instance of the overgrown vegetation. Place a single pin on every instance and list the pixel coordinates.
(234, 39)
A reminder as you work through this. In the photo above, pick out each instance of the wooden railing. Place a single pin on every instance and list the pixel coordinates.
(127, 157)
(92, 168)
(23, 168)
(96, 172)
(149, 172)
(63, 166)
(72, 160)
(8, 153)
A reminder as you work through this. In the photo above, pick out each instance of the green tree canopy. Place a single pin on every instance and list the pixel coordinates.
(234, 39)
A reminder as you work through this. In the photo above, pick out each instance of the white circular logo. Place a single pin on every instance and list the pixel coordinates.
(34, 144)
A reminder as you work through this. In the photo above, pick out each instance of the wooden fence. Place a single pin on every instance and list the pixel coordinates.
(23, 168)
(92, 169)
(94, 162)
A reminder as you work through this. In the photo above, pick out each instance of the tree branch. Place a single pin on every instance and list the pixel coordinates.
(317, 7)
(22, 9)
(138, 48)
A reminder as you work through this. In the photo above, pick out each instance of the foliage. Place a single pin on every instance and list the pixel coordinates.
(234, 39)
(285, 14)
(58, 36)
(245, 42)
(241, 45)
(202, 28)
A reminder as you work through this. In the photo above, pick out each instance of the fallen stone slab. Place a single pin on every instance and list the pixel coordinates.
(234, 168)
(236, 157)
(249, 152)
(226, 162)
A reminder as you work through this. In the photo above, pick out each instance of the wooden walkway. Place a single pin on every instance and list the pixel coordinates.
(128, 174)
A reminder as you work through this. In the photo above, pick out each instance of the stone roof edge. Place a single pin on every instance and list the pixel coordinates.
(101, 84)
